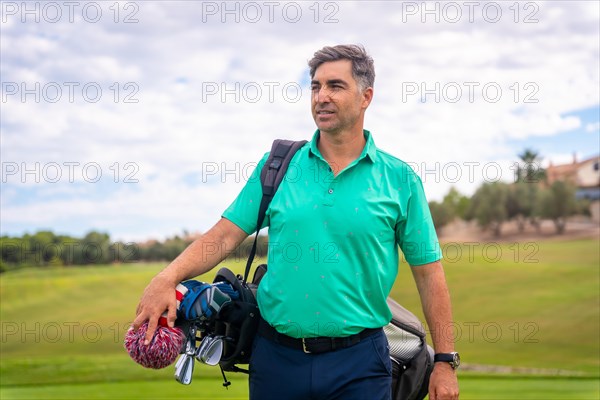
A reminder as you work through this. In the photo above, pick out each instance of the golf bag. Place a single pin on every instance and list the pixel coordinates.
(226, 315)
(412, 357)
(238, 323)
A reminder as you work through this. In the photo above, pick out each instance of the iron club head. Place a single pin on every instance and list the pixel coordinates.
(184, 369)
(210, 350)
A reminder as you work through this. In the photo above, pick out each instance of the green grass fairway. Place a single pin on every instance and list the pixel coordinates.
(472, 389)
(129, 390)
(513, 388)
(529, 309)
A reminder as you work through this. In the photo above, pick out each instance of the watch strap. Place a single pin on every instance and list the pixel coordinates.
(443, 357)
(451, 358)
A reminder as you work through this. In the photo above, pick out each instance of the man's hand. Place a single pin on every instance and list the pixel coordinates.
(443, 384)
(158, 296)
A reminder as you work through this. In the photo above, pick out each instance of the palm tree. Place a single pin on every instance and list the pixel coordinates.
(530, 173)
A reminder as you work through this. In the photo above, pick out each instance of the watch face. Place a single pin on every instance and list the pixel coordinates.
(456, 360)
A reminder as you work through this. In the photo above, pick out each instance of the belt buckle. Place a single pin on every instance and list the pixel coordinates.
(304, 348)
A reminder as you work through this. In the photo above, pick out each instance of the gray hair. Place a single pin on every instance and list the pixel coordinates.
(363, 69)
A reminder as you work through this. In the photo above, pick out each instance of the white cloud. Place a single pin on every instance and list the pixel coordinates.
(593, 127)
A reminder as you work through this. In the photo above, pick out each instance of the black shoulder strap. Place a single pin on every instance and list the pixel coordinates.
(271, 175)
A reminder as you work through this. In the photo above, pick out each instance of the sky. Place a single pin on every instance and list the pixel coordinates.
(143, 119)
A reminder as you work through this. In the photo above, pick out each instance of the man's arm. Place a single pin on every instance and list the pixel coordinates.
(199, 257)
(435, 299)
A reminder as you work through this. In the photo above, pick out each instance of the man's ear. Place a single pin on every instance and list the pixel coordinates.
(367, 96)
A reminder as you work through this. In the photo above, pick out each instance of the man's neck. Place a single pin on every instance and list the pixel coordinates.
(341, 148)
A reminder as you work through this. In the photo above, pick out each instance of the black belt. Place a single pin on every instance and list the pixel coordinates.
(314, 345)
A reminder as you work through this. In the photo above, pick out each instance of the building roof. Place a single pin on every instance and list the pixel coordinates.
(569, 172)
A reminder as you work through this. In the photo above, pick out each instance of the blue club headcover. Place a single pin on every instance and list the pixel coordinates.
(203, 301)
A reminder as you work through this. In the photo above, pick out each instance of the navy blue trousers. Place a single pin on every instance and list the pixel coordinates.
(359, 372)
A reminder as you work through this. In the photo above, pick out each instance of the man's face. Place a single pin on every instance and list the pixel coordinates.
(337, 104)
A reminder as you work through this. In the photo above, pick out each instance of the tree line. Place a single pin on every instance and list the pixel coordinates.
(46, 249)
(528, 200)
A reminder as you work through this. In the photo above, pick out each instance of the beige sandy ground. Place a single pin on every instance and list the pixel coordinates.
(463, 231)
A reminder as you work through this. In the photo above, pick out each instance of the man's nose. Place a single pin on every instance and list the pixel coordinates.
(321, 95)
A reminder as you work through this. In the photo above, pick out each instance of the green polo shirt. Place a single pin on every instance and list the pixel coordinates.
(333, 241)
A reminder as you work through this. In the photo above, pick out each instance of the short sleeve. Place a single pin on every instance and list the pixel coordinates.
(415, 233)
(243, 212)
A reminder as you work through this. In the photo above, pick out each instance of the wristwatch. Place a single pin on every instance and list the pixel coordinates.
(451, 358)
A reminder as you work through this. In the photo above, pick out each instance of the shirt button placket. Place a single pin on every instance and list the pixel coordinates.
(330, 195)
(330, 183)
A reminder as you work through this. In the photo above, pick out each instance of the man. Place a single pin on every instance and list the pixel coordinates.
(334, 232)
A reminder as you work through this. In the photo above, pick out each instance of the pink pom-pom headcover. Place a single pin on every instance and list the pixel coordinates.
(162, 350)
(166, 343)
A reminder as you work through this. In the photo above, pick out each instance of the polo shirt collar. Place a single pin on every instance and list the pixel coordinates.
(369, 150)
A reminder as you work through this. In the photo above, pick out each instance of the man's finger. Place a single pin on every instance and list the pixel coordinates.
(172, 314)
(137, 322)
(432, 393)
(152, 324)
